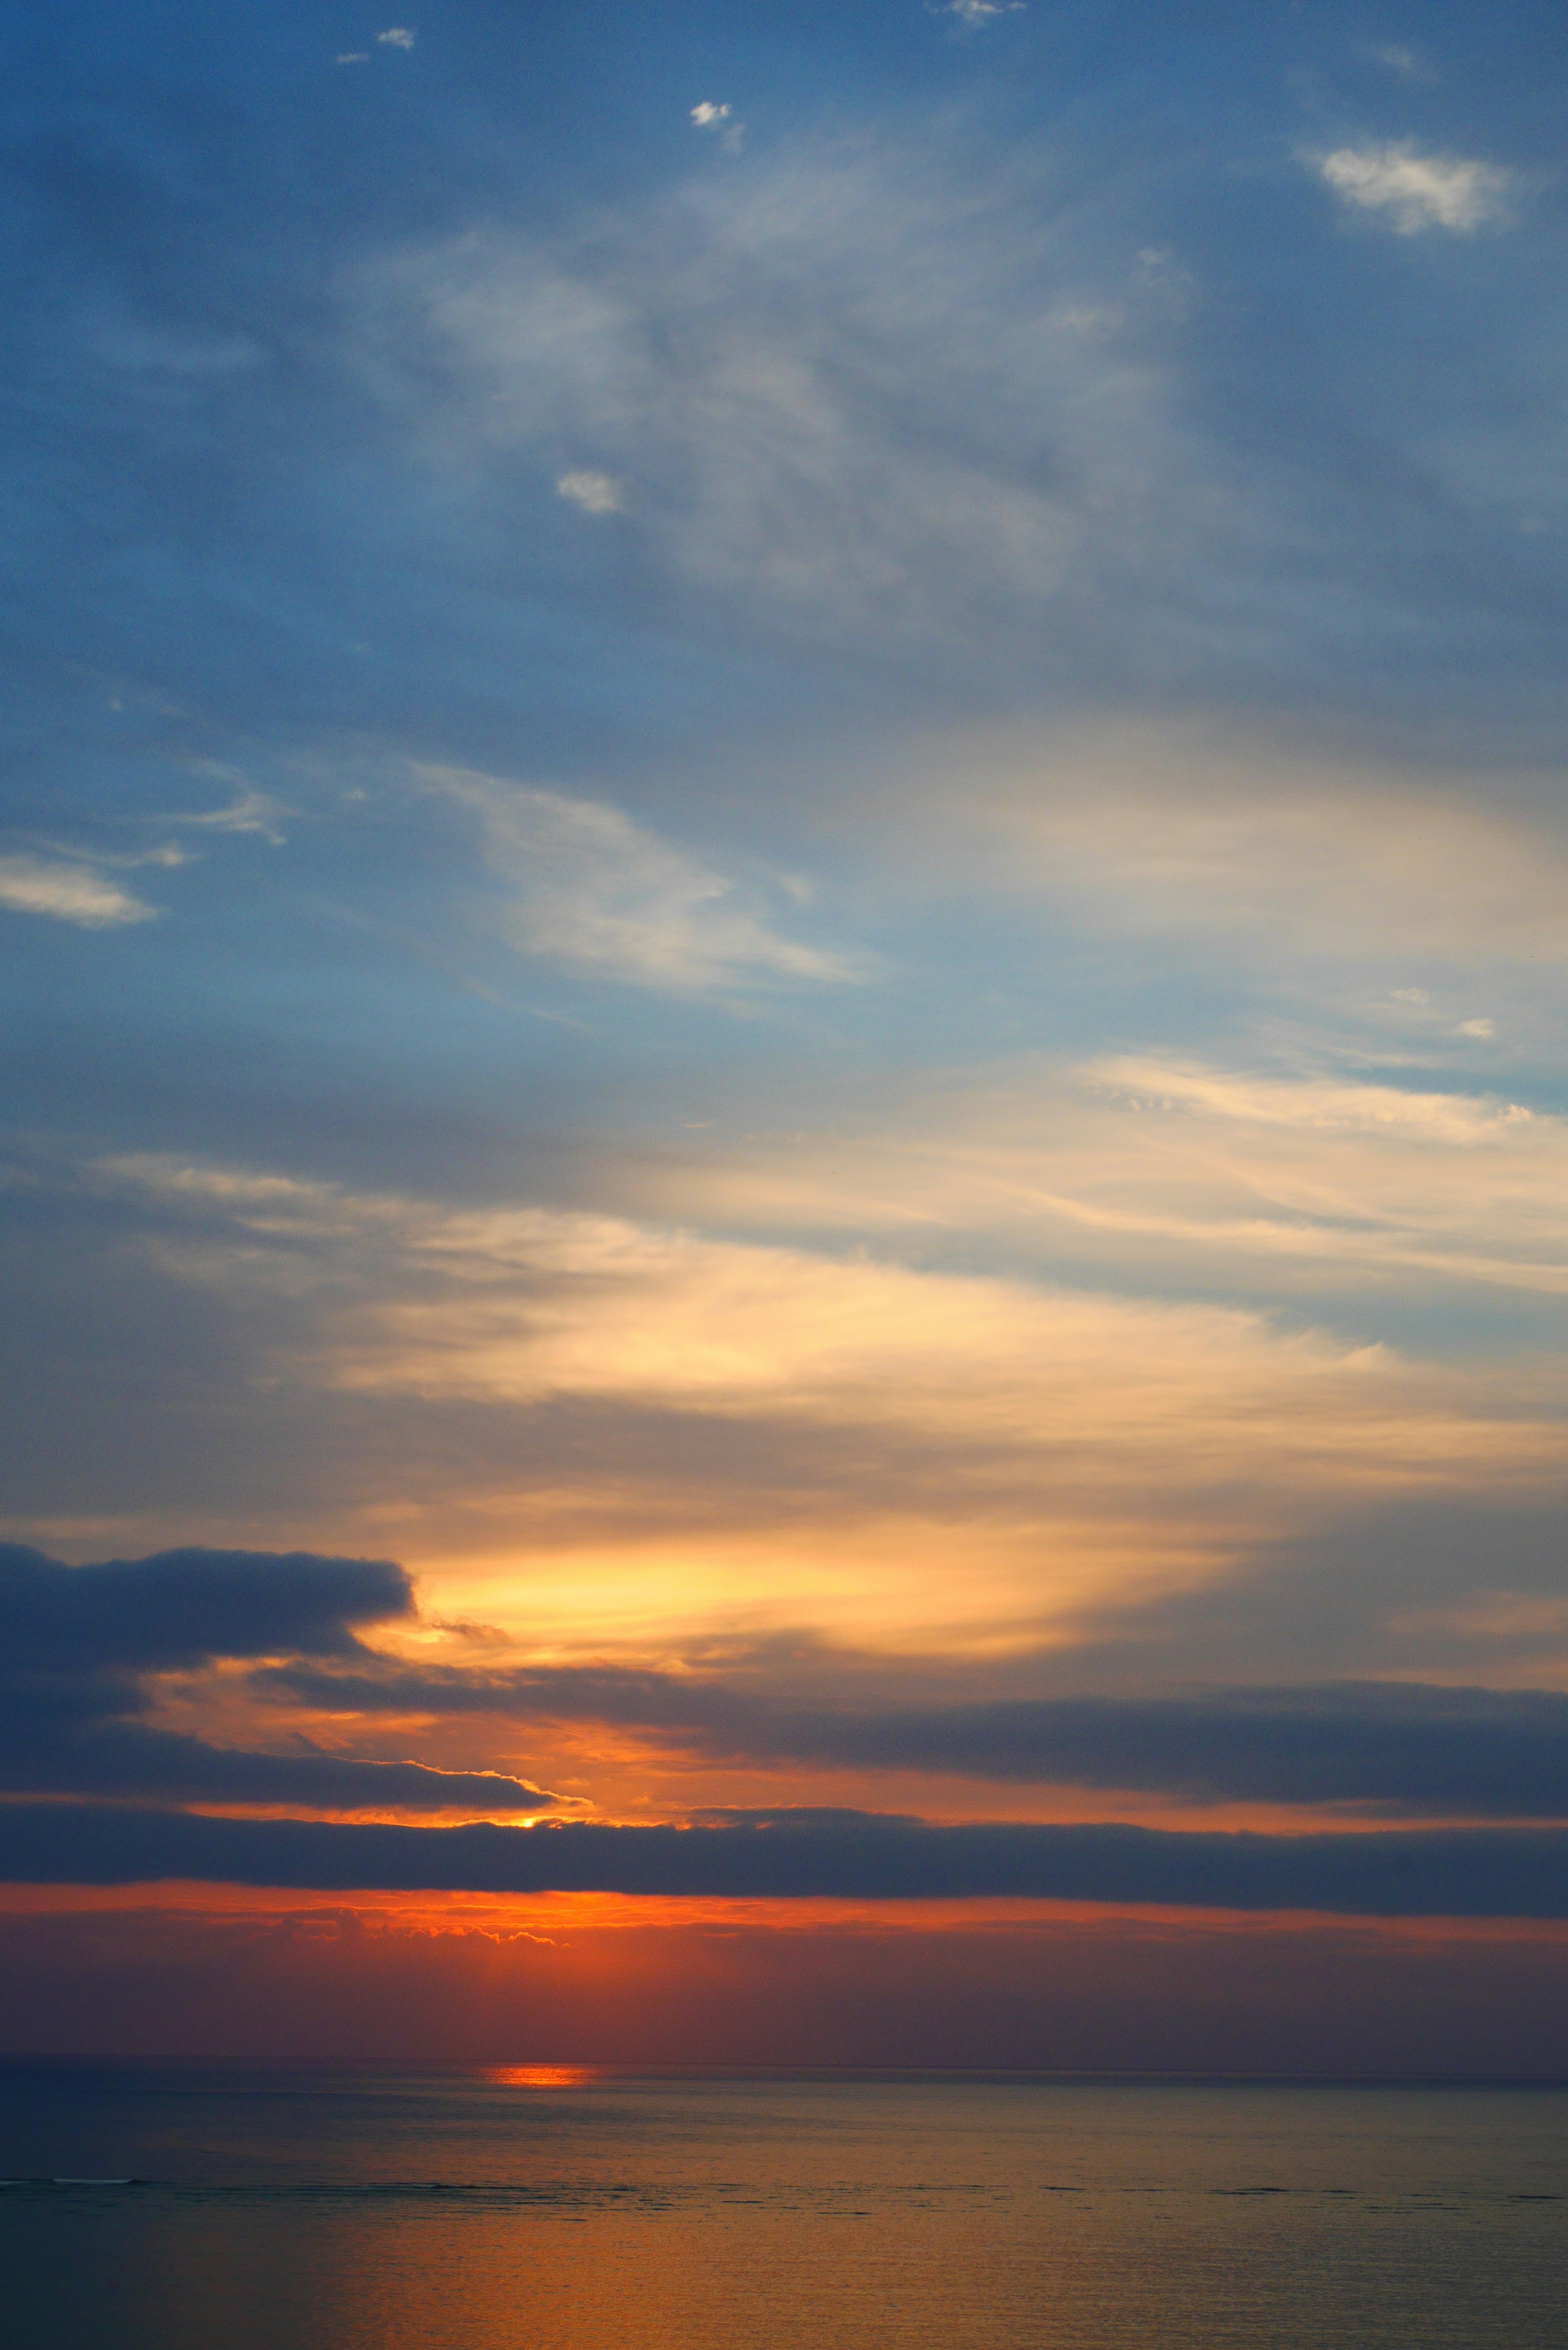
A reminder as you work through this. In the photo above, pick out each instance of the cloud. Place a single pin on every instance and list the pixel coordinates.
(824, 454)
(1433, 1751)
(396, 37)
(1418, 192)
(133, 1763)
(78, 1646)
(184, 1607)
(710, 115)
(249, 811)
(1399, 58)
(972, 14)
(674, 1431)
(1201, 825)
(596, 493)
(1468, 1587)
(591, 888)
(1285, 1180)
(1518, 1873)
(70, 893)
(1384, 1746)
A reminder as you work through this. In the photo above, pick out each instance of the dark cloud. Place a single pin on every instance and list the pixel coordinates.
(126, 1759)
(630, 1697)
(75, 1642)
(1461, 1750)
(1511, 1872)
(182, 1608)
(1387, 1745)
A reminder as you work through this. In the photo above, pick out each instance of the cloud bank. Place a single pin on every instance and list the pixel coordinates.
(1389, 1746)
(1515, 1873)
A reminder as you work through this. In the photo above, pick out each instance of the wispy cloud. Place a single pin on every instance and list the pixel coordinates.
(589, 887)
(70, 893)
(249, 811)
(1399, 58)
(1168, 1172)
(396, 37)
(1415, 191)
(829, 462)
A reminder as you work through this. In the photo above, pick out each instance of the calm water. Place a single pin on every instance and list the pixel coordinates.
(533, 2211)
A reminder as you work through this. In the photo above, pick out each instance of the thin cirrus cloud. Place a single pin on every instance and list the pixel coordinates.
(591, 889)
(249, 811)
(1413, 192)
(1053, 441)
(770, 456)
(1281, 1181)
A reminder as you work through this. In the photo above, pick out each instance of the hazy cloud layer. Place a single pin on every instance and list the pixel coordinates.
(1095, 1447)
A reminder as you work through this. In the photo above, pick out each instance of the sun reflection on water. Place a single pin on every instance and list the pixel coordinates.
(539, 2076)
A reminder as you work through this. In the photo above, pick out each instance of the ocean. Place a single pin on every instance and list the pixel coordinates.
(556, 2208)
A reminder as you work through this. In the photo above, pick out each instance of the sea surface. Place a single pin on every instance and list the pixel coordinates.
(554, 2209)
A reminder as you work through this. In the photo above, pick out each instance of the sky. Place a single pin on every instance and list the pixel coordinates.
(783, 888)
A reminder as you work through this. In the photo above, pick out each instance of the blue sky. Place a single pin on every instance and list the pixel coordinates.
(783, 875)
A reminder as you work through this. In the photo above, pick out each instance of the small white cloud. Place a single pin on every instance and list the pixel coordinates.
(71, 893)
(1482, 1028)
(596, 493)
(710, 115)
(354, 58)
(972, 14)
(1411, 995)
(396, 37)
(1417, 191)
